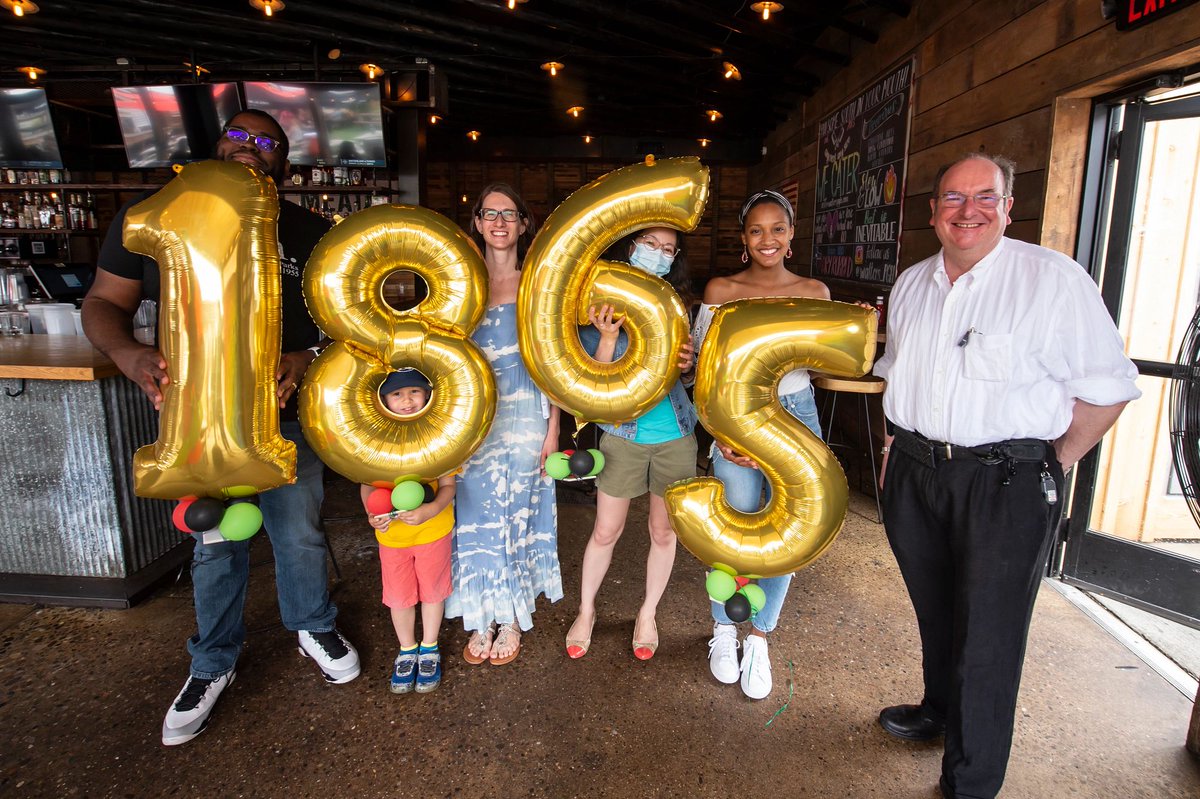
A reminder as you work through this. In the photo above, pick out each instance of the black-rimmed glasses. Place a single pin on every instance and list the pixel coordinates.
(264, 143)
(492, 214)
(955, 199)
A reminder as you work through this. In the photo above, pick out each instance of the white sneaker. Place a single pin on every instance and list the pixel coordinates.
(756, 667)
(722, 653)
(188, 715)
(335, 656)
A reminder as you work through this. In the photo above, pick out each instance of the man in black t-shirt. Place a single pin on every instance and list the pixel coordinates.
(220, 571)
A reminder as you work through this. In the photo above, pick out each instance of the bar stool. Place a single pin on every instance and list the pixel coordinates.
(863, 386)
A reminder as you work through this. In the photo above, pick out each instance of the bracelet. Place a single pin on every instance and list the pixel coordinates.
(884, 450)
(316, 350)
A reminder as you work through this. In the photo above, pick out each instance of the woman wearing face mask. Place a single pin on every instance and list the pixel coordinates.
(767, 229)
(506, 543)
(646, 454)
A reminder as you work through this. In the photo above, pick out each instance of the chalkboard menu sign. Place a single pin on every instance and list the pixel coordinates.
(862, 149)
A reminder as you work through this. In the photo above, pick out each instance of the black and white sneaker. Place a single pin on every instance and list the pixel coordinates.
(335, 656)
(190, 711)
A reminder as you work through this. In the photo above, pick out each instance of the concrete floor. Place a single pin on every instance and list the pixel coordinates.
(83, 692)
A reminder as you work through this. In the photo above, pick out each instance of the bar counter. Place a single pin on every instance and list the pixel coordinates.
(71, 530)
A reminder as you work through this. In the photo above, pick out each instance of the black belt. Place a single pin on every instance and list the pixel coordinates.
(931, 453)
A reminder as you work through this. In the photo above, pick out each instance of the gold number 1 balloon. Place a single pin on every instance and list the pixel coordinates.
(564, 275)
(750, 345)
(343, 418)
(212, 232)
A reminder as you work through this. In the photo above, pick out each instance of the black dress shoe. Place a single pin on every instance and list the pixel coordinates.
(911, 722)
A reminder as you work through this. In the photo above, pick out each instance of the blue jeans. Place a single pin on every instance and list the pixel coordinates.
(743, 490)
(221, 571)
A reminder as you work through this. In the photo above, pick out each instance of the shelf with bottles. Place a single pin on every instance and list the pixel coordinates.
(31, 211)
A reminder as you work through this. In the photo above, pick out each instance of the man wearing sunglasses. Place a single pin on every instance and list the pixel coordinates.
(1004, 368)
(220, 571)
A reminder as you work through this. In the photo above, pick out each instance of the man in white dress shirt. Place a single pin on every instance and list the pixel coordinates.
(1004, 368)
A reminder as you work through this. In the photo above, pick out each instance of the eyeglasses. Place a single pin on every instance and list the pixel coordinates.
(656, 245)
(954, 199)
(264, 143)
(491, 214)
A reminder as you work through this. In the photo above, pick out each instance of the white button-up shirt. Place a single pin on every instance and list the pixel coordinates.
(1002, 353)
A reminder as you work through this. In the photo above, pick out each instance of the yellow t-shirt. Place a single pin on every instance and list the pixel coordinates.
(400, 535)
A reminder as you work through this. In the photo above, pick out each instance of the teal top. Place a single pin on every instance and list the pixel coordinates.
(658, 425)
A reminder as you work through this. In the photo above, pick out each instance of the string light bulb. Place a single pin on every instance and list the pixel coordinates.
(575, 111)
(20, 7)
(704, 142)
(370, 70)
(512, 4)
(32, 72)
(552, 67)
(434, 119)
(587, 139)
(268, 7)
(731, 72)
(713, 114)
(766, 7)
(473, 135)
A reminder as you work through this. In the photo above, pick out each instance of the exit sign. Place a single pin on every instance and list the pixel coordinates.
(1135, 13)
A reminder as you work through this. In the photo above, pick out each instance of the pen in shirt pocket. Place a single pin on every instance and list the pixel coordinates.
(962, 342)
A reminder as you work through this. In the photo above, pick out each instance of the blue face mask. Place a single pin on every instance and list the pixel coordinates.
(656, 262)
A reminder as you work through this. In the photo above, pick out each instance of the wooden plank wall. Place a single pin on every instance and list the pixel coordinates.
(713, 248)
(1013, 77)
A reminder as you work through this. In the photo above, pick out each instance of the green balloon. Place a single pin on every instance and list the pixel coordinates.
(756, 595)
(720, 586)
(408, 495)
(599, 458)
(732, 572)
(241, 521)
(558, 465)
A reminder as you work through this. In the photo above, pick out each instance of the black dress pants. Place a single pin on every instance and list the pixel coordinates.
(972, 551)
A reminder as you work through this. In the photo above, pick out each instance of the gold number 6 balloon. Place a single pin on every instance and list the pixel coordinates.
(212, 231)
(750, 345)
(343, 418)
(564, 275)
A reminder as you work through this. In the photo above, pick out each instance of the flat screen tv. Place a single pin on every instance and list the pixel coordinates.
(327, 124)
(26, 132)
(165, 125)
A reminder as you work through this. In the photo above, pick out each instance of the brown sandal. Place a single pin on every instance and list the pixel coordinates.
(506, 631)
(485, 637)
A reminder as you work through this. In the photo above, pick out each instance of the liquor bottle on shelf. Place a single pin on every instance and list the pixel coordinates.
(880, 308)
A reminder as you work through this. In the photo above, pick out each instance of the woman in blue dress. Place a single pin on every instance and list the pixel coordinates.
(506, 539)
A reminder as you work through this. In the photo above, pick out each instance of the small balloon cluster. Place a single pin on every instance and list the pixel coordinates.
(574, 462)
(235, 520)
(407, 493)
(742, 598)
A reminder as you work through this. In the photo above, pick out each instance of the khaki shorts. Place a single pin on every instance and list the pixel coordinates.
(631, 470)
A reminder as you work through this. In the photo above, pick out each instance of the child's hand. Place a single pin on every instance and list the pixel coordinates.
(417, 516)
(380, 522)
(606, 320)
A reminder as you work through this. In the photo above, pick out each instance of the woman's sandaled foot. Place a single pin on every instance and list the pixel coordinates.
(479, 647)
(645, 642)
(507, 645)
(579, 637)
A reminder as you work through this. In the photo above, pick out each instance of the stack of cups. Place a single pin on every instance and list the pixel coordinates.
(54, 318)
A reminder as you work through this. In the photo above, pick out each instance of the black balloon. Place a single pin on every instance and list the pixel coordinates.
(581, 463)
(204, 514)
(737, 608)
(429, 493)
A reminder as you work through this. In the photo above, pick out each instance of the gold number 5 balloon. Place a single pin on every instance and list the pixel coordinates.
(212, 231)
(750, 345)
(343, 418)
(564, 275)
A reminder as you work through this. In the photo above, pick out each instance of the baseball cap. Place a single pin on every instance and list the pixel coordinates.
(404, 378)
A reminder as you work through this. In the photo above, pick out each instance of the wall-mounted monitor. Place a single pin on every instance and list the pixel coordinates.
(165, 125)
(327, 124)
(26, 131)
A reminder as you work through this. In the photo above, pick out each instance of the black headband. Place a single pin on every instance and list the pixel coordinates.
(773, 196)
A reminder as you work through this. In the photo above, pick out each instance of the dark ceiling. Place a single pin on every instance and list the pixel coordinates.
(646, 67)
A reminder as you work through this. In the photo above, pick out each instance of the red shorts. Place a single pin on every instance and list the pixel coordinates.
(418, 573)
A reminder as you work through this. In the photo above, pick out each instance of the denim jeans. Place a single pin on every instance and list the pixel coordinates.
(221, 571)
(743, 490)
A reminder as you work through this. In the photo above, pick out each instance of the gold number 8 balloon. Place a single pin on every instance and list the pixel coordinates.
(750, 345)
(564, 275)
(212, 232)
(343, 418)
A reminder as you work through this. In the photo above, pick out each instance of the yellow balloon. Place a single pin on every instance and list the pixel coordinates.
(564, 275)
(343, 418)
(750, 345)
(212, 230)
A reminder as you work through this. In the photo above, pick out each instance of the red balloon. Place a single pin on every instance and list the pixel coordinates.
(568, 452)
(379, 501)
(742, 582)
(177, 515)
